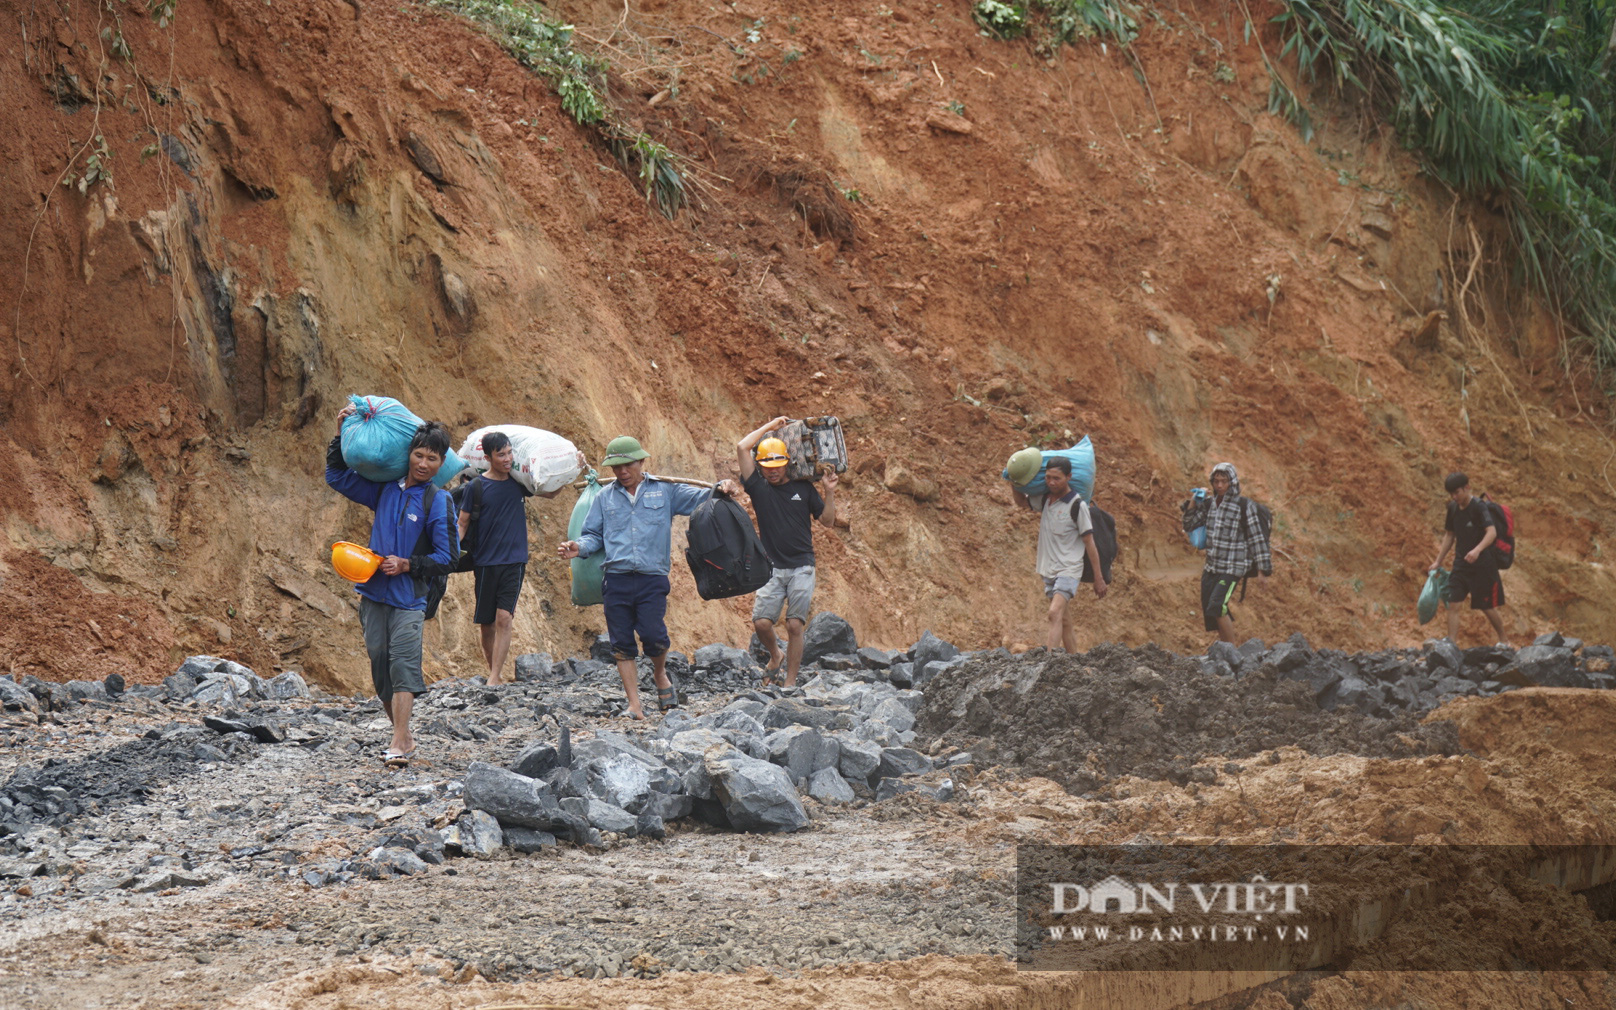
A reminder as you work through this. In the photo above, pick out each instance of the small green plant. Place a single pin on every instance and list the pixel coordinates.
(163, 11)
(1070, 20)
(97, 168)
(791, 56)
(754, 34)
(1001, 19)
(850, 193)
(1223, 72)
(957, 107)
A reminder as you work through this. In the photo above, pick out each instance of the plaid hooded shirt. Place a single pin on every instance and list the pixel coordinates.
(1227, 551)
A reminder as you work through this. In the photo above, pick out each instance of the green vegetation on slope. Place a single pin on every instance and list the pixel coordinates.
(1498, 96)
(544, 45)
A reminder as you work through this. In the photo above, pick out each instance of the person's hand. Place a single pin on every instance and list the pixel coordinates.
(1100, 588)
(567, 550)
(1473, 555)
(344, 412)
(831, 480)
(727, 486)
(395, 565)
(778, 423)
(583, 461)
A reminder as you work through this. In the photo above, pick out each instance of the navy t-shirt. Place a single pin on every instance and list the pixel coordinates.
(501, 537)
(785, 514)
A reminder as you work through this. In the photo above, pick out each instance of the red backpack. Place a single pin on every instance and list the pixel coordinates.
(1502, 520)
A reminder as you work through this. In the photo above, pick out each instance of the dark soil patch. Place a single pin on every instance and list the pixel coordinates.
(1085, 719)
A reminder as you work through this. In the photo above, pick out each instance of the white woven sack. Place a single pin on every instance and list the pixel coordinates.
(544, 461)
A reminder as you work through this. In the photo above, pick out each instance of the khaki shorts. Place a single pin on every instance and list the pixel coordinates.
(792, 588)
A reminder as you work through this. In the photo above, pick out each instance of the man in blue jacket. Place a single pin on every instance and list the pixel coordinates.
(392, 604)
(632, 521)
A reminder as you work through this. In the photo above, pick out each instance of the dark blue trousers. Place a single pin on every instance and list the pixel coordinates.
(636, 603)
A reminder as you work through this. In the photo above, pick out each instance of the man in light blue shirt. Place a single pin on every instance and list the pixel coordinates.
(632, 521)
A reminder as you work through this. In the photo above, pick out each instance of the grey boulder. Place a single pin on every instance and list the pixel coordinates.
(755, 795)
(827, 786)
(476, 834)
(931, 649)
(515, 800)
(899, 761)
(859, 759)
(827, 634)
(801, 750)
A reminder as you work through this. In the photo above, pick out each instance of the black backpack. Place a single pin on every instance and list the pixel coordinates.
(1105, 540)
(432, 580)
(1502, 518)
(1265, 523)
(468, 498)
(725, 555)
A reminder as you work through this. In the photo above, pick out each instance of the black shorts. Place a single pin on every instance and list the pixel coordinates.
(1215, 593)
(498, 586)
(1479, 582)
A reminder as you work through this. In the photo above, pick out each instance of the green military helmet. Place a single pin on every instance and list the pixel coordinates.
(623, 449)
(1023, 465)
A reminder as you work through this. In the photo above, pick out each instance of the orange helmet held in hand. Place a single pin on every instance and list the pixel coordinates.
(353, 562)
(772, 452)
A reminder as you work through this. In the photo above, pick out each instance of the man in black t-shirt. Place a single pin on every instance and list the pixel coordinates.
(1470, 531)
(785, 511)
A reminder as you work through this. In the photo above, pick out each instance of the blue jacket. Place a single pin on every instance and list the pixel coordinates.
(637, 535)
(396, 531)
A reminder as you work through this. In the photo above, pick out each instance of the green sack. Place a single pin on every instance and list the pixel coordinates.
(1434, 593)
(586, 573)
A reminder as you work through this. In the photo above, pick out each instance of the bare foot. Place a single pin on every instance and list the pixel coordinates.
(495, 682)
(635, 713)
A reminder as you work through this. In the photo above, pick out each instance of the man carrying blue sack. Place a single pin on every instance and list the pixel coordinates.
(415, 536)
(632, 521)
(1236, 546)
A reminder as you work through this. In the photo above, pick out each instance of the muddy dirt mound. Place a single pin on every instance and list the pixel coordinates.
(1085, 719)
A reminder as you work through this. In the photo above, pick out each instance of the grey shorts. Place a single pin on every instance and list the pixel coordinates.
(792, 588)
(1062, 584)
(393, 640)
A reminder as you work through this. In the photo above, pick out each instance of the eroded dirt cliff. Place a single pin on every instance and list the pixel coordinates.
(953, 243)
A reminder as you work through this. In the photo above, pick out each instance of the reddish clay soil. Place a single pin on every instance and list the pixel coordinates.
(1124, 246)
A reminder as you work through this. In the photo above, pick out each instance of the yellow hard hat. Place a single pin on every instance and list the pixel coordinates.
(1023, 465)
(772, 452)
(353, 562)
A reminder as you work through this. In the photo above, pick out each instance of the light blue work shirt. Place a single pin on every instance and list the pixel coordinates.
(637, 532)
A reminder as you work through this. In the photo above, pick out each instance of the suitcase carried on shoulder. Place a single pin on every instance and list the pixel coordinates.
(814, 442)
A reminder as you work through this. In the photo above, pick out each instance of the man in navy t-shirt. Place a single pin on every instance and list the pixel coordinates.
(498, 548)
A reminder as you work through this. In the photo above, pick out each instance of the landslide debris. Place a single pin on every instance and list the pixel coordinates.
(1083, 720)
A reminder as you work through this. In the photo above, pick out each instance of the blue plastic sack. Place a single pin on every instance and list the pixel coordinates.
(376, 441)
(587, 575)
(1082, 457)
(1198, 534)
(1433, 595)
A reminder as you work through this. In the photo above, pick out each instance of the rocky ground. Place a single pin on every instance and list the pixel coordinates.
(178, 844)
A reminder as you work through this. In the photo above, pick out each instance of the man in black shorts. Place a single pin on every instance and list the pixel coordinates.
(499, 550)
(1470, 532)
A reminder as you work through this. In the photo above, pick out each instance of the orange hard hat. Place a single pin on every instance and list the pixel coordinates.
(353, 562)
(772, 452)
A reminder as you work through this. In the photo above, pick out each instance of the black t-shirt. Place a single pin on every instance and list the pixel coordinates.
(1468, 526)
(785, 513)
(502, 523)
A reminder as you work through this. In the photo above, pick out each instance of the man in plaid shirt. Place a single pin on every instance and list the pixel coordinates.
(1236, 547)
